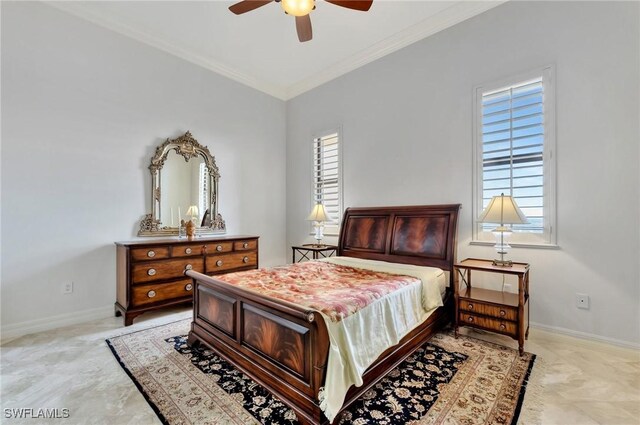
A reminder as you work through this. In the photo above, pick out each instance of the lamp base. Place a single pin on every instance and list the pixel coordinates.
(318, 236)
(503, 263)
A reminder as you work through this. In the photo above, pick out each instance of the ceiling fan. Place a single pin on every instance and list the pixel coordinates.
(300, 9)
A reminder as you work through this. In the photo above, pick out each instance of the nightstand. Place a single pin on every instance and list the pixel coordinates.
(316, 251)
(497, 311)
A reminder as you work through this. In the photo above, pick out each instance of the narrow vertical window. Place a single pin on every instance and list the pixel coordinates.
(203, 189)
(327, 184)
(514, 142)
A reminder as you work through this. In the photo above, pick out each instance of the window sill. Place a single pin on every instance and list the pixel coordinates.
(519, 245)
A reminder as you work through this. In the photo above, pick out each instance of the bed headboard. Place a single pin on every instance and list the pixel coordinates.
(424, 235)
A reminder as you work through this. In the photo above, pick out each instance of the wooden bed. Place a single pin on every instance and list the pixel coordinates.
(284, 346)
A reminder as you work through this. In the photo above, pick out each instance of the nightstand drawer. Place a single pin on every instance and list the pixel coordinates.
(500, 312)
(490, 324)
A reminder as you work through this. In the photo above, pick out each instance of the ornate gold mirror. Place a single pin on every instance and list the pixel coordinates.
(184, 186)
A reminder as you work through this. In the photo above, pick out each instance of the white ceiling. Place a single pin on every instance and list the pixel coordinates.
(261, 48)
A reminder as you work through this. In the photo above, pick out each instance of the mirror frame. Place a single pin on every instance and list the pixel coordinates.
(189, 148)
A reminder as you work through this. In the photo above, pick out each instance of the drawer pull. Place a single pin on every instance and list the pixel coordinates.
(151, 254)
(470, 319)
(188, 287)
(502, 326)
(503, 313)
(151, 272)
(151, 294)
(188, 267)
(219, 248)
(470, 307)
(219, 263)
(245, 245)
(245, 260)
(187, 251)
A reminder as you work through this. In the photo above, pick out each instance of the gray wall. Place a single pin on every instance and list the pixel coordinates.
(407, 134)
(83, 108)
(82, 111)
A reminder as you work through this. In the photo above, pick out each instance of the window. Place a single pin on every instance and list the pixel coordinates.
(514, 143)
(203, 189)
(327, 178)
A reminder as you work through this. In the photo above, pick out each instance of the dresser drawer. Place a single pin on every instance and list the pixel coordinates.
(219, 263)
(155, 253)
(212, 248)
(500, 312)
(496, 325)
(188, 250)
(168, 269)
(245, 245)
(149, 294)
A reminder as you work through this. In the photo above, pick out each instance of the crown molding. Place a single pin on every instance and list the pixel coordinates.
(446, 18)
(78, 10)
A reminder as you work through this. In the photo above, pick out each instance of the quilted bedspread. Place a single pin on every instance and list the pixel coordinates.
(335, 290)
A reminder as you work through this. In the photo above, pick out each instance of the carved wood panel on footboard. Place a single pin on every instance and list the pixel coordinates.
(264, 337)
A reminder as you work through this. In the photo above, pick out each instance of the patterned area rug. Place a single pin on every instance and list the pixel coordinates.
(460, 381)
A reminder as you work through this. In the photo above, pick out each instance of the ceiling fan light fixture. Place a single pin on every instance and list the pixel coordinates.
(298, 7)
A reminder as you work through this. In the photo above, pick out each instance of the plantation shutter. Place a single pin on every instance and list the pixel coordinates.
(512, 150)
(326, 175)
(203, 189)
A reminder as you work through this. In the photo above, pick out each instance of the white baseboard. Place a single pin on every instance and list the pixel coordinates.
(38, 325)
(586, 336)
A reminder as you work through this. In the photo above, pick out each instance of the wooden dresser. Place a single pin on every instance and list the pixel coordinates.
(150, 273)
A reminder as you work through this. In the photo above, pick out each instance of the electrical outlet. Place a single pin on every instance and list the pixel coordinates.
(508, 287)
(582, 301)
(67, 287)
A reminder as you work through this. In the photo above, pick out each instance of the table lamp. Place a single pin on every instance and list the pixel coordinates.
(503, 210)
(193, 212)
(318, 216)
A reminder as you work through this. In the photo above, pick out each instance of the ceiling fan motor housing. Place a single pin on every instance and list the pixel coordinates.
(300, 9)
(297, 7)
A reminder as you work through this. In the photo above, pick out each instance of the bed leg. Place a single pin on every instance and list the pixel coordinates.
(192, 340)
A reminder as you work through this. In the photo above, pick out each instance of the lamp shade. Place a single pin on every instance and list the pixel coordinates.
(192, 211)
(318, 213)
(503, 210)
(297, 7)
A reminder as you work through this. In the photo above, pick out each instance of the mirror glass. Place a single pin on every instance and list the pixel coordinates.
(183, 184)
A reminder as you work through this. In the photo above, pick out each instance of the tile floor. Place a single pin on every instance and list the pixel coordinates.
(584, 382)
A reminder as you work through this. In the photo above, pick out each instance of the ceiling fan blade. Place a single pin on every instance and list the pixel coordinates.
(362, 5)
(247, 6)
(303, 26)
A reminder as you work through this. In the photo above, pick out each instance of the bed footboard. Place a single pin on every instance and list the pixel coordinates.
(281, 345)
